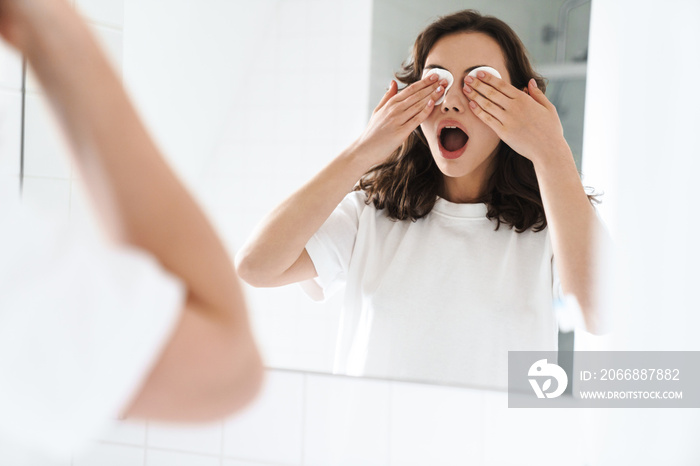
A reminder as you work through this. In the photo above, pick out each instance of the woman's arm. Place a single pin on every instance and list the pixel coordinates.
(275, 254)
(529, 124)
(577, 233)
(211, 365)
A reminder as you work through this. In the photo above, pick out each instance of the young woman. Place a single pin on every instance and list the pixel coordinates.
(447, 240)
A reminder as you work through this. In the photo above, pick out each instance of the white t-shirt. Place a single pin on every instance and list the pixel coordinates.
(81, 326)
(442, 299)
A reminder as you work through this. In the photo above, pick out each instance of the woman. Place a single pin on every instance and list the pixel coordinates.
(150, 324)
(446, 246)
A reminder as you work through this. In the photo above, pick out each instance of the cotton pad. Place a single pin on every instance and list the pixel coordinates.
(442, 74)
(485, 69)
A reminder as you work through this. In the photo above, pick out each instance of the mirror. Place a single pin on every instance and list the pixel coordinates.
(248, 113)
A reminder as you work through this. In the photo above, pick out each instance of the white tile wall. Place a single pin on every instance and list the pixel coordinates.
(46, 152)
(124, 432)
(107, 12)
(347, 421)
(205, 439)
(12, 185)
(271, 429)
(10, 67)
(435, 425)
(48, 195)
(169, 458)
(10, 132)
(246, 463)
(304, 419)
(12, 454)
(103, 454)
(563, 429)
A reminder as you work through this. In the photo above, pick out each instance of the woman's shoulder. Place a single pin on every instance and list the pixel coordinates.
(360, 205)
(354, 202)
(357, 197)
(352, 207)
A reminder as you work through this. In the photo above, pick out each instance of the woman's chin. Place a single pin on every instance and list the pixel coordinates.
(451, 170)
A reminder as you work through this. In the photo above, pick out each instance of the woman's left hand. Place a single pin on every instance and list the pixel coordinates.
(527, 121)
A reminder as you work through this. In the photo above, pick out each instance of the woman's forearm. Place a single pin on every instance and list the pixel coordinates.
(139, 199)
(576, 232)
(279, 241)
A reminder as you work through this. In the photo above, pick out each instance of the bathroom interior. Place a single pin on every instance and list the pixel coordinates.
(249, 99)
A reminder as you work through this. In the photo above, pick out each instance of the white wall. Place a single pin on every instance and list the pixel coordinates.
(10, 117)
(322, 420)
(641, 124)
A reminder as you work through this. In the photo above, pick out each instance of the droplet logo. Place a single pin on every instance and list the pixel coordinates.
(542, 370)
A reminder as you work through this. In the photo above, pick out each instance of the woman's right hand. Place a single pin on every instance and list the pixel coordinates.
(397, 115)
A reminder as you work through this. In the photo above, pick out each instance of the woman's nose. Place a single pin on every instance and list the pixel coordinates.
(455, 100)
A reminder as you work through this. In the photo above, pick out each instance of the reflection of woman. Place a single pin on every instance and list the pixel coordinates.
(446, 245)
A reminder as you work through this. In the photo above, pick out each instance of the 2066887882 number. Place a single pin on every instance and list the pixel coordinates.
(639, 374)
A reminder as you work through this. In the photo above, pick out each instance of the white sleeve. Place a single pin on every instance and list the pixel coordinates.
(81, 326)
(331, 247)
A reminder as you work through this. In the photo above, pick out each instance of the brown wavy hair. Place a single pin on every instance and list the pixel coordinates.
(408, 183)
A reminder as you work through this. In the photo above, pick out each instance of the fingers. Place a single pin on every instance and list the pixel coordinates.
(485, 116)
(537, 94)
(473, 87)
(419, 103)
(421, 116)
(420, 89)
(485, 104)
(413, 98)
(493, 82)
(401, 112)
(391, 92)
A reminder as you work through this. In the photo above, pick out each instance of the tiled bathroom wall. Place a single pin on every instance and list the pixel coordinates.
(10, 117)
(304, 419)
(290, 90)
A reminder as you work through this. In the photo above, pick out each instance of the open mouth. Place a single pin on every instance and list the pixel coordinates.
(452, 140)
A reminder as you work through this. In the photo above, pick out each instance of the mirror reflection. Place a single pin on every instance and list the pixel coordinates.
(434, 238)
